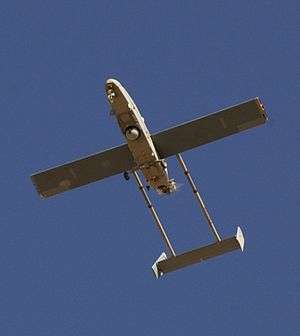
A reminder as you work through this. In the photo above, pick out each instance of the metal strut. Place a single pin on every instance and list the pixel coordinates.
(154, 214)
(199, 199)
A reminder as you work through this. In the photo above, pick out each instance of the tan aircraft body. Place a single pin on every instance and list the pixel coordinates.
(138, 138)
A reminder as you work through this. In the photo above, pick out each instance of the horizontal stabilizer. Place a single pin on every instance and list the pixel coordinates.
(83, 171)
(209, 128)
(164, 265)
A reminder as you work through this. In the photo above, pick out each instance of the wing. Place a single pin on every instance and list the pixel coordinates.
(83, 171)
(209, 128)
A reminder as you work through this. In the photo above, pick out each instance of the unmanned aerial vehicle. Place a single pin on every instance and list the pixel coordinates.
(145, 153)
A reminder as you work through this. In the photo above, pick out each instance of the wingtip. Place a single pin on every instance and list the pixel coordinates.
(262, 108)
(240, 238)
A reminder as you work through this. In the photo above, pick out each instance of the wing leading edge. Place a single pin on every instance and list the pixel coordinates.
(209, 128)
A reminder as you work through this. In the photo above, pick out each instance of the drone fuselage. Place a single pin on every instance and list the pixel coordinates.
(138, 137)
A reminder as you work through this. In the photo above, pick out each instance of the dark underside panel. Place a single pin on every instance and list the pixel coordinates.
(209, 128)
(83, 171)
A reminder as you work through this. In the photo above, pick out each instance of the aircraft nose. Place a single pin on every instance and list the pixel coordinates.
(112, 82)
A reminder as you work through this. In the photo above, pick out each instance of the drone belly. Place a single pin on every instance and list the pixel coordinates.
(138, 138)
(153, 168)
(143, 151)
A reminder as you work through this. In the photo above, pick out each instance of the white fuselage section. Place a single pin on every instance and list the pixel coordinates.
(138, 138)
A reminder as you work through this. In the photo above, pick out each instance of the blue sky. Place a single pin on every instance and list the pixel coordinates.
(79, 263)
